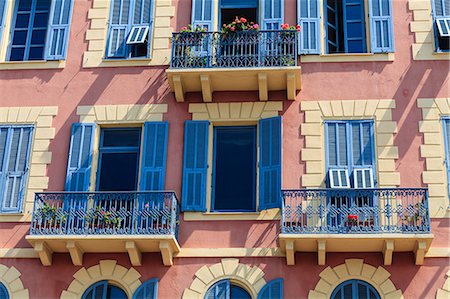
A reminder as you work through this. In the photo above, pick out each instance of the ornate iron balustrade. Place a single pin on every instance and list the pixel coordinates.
(268, 48)
(346, 211)
(98, 213)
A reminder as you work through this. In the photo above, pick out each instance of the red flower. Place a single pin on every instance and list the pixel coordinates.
(243, 20)
(353, 217)
(232, 28)
(298, 28)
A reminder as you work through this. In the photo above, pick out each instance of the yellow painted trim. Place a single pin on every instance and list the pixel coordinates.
(250, 278)
(18, 253)
(10, 278)
(96, 37)
(126, 278)
(355, 269)
(230, 252)
(31, 65)
(444, 292)
(438, 252)
(313, 129)
(433, 151)
(42, 119)
(364, 57)
(421, 26)
(270, 214)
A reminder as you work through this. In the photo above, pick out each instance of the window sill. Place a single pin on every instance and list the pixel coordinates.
(32, 65)
(271, 214)
(15, 217)
(92, 62)
(364, 57)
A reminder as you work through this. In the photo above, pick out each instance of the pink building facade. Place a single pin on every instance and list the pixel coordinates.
(141, 159)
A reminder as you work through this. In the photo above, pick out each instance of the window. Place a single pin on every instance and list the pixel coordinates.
(3, 292)
(104, 290)
(40, 30)
(235, 168)
(446, 124)
(147, 290)
(130, 29)
(120, 154)
(441, 23)
(15, 148)
(344, 23)
(224, 289)
(355, 289)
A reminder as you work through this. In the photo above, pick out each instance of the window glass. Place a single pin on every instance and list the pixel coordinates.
(355, 289)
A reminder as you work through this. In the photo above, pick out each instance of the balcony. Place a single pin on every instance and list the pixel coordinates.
(355, 220)
(246, 60)
(105, 222)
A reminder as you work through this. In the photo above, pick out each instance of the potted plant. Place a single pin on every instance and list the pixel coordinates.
(189, 45)
(48, 217)
(99, 218)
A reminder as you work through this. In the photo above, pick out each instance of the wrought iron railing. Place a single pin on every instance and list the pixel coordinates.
(344, 211)
(268, 48)
(97, 213)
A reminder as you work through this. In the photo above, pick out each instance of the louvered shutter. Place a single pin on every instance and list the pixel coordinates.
(336, 144)
(220, 290)
(202, 14)
(154, 156)
(446, 123)
(195, 165)
(96, 291)
(272, 14)
(309, 20)
(143, 17)
(354, 26)
(147, 290)
(118, 28)
(363, 164)
(272, 290)
(270, 163)
(381, 26)
(2, 16)
(80, 157)
(59, 29)
(15, 148)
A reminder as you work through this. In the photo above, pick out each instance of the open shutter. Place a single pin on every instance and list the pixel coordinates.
(59, 27)
(272, 14)
(354, 26)
(381, 26)
(147, 290)
(220, 290)
(15, 148)
(339, 178)
(309, 20)
(202, 14)
(272, 290)
(195, 164)
(2, 16)
(270, 163)
(118, 28)
(154, 156)
(141, 29)
(80, 157)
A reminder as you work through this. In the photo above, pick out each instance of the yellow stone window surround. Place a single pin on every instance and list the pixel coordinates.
(444, 292)
(40, 157)
(433, 151)
(10, 278)
(229, 114)
(424, 47)
(97, 35)
(330, 278)
(316, 112)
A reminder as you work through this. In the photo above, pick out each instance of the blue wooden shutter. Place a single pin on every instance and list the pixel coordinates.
(2, 16)
(15, 148)
(96, 291)
(363, 157)
(270, 163)
(118, 28)
(272, 290)
(309, 20)
(147, 290)
(203, 13)
(354, 26)
(143, 16)
(59, 29)
(220, 290)
(446, 123)
(80, 157)
(272, 14)
(3, 292)
(154, 156)
(195, 165)
(336, 144)
(381, 26)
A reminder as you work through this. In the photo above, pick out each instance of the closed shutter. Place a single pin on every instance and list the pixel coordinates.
(363, 164)
(154, 156)
(15, 148)
(446, 123)
(59, 29)
(272, 14)
(336, 144)
(220, 290)
(80, 157)
(270, 163)
(202, 14)
(354, 26)
(309, 20)
(96, 291)
(381, 26)
(2, 16)
(118, 28)
(272, 290)
(147, 290)
(195, 165)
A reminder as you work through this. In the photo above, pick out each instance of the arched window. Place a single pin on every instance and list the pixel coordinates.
(3, 292)
(355, 289)
(225, 289)
(104, 290)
